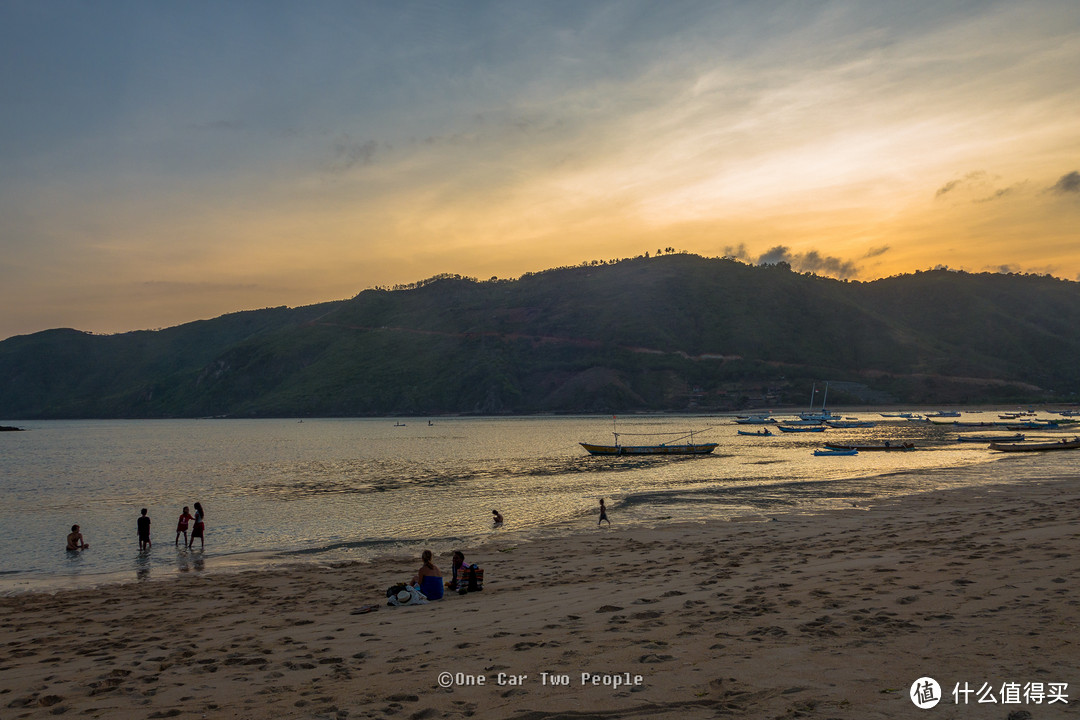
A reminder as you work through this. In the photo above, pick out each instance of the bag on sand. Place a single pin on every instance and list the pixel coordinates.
(472, 579)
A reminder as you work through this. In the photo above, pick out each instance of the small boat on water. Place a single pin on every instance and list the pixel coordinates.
(687, 449)
(829, 451)
(1037, 447)
(887, 445)
(763, 432)
(990, 438)
(673, 447)
(755, 420)
(801, 428)
(850, 423)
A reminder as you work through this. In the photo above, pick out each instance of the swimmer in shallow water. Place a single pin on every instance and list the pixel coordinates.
(75, 540)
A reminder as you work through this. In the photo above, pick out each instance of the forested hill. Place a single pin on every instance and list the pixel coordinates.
(676, 332)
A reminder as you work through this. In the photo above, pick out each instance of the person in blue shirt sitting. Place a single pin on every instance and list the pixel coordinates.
(429, 578)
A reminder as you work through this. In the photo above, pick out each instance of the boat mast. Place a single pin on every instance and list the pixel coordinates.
(825, 398)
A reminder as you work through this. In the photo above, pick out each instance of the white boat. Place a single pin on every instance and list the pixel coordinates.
(755, 420)
(850, 423)
(819, 415)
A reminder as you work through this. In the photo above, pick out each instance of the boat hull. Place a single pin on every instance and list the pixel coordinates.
(696, 449)
(1037, 447)
(861, 448)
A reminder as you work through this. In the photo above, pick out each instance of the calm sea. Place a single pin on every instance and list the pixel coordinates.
(283, 491)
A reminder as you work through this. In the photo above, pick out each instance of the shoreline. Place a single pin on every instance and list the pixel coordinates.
(194, 563)
(831, 615)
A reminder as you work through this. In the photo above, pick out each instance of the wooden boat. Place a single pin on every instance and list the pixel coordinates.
(887, 445)
(755, 420)
(1037, 447)
(763, 432)
(1035, 425)
(801, 428)
(990, 438)
(850, 423)
(674, 447)
(687, 449)
(820, 453)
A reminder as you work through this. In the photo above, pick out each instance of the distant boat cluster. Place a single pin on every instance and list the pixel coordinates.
(820, 419)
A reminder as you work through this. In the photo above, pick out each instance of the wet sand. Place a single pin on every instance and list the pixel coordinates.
(819, 616)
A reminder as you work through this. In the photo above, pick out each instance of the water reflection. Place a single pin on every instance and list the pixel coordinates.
(142, 566)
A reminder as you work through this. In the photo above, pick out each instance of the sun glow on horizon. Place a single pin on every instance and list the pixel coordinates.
(308, 160)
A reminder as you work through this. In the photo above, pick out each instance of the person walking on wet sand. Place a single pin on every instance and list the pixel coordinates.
(144, 531)
(182, 525)
(199, 529)
(603, 514)
(75, 540)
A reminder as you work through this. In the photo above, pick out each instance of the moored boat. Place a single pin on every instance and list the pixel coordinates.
(677, 446)
(686, 449)
(887, 445)
(990, 438)
(801, 428)
(829, 451)
(1037, 447)
(763, 432)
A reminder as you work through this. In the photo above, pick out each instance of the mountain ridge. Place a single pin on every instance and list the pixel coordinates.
(676, 332)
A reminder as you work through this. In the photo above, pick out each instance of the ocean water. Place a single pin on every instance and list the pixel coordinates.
(332, 490)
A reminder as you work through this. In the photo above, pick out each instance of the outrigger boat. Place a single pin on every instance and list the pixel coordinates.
(990, 438)
(1037, 447)
(674, 447)
(887, 445)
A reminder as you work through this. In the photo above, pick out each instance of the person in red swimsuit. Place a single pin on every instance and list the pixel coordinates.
(182, 525)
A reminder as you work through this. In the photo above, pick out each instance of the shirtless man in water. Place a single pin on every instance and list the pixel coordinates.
(75, 539)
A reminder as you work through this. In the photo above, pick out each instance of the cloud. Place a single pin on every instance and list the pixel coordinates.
(877, 251)
(978, 186)
(737, 253)
(1068, 183)
(811, 262)
(348, 153)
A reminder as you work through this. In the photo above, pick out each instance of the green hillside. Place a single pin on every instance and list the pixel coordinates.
(675, 332)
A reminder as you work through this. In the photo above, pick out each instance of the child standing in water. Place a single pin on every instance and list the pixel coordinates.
(200, 527)
(144, 530)
(182, 525)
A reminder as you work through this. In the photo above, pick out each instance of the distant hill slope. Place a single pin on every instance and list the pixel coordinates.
(675, 332)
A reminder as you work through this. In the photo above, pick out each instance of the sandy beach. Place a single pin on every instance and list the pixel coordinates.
(833, 615)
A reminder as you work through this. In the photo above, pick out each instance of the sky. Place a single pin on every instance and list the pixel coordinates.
(163, 162)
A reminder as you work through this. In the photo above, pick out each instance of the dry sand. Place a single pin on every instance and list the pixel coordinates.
(824, 616)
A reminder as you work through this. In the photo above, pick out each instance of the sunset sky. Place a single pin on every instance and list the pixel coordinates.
(162, 162)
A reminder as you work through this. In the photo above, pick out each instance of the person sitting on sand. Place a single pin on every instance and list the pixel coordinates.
(199, 529)
(182, 525)
(496, 518)
(429, 578)
(456, 567)
(75, 540)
